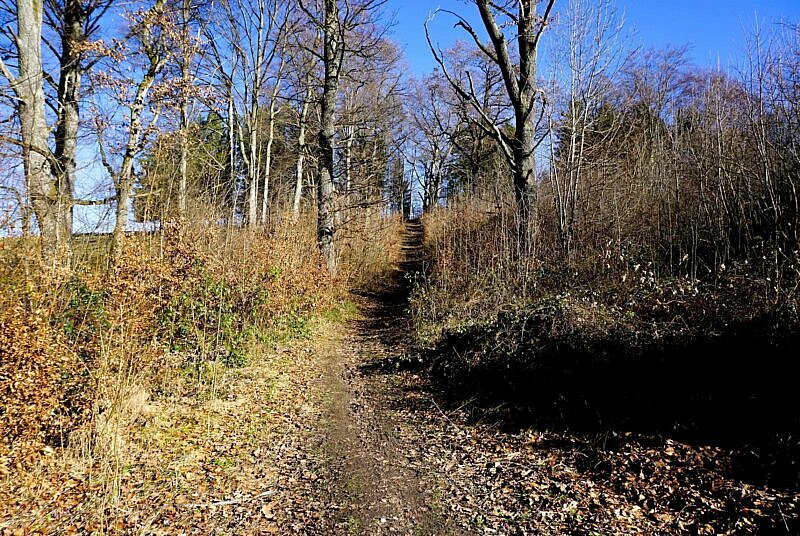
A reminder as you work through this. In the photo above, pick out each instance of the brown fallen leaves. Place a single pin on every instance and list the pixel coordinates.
(530, 482)
(219, 459)
(246, 454)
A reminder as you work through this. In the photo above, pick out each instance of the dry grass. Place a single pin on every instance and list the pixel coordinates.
(370, 243)
(477, 273)
(476, 269)
(105, 374)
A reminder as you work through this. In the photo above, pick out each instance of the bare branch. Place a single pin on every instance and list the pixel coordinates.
(463, 23)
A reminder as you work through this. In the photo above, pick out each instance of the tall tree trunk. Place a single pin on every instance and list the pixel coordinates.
(525, 121)
(124, 178)
(231, 120)
(268, 163)
(185, 63)
(519, 79)
(69, 83)
(348, 158)
(48, 201)
(254, 159)
(251, 153)
(273, 111)
(332, 58)
(121, 219)
(525, 183)
(184, 158)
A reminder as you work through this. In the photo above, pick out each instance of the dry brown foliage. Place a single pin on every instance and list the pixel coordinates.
(83, 359)
(34, 377)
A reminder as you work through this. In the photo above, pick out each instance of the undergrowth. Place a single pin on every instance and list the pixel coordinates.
(476, 273)
(617, 350)
(83, 356)
(609, 341)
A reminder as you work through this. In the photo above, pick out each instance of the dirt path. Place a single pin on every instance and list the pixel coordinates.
(344, 433)
(378, 485)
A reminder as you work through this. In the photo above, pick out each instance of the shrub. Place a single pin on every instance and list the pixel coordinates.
(44, 382)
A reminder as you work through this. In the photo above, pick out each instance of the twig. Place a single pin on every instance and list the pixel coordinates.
(268, 493)
(444, 415)
(783, 518)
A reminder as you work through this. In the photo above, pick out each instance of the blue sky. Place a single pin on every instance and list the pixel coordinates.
(714, 28)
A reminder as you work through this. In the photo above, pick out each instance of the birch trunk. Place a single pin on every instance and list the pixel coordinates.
(326, 212)
(301, 153)
(124, 178)
(273, 111)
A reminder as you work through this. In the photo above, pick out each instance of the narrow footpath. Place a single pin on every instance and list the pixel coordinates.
(347, 432)
(377, 484)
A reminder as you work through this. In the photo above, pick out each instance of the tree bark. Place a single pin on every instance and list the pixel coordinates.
(183, 178)
(231, 123)
(332, 58)
(47, 198)
(69, 83)
(273, 111)
(251, 156)
(521, 86)
(185, 63)
(301, 152)
(124, 178)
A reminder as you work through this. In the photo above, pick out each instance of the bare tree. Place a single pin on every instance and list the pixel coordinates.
(505, 21)
(591, 38)
(773, 116)
(50, 205)
(147, 50)
(371, 114)
(272, 113)
(302, 125)
(302, 78)
(50, 174)
(474, 145)
(188, 30)
(333, 55)
(247, 43)
(339, 26)
(435, 124)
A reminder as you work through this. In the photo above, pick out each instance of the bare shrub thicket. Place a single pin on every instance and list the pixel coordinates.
(677, 180)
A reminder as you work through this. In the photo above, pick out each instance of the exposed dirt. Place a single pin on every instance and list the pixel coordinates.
(375, 480)
(440, 461)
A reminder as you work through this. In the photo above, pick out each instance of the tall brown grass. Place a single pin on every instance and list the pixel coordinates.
(83, 355)
(476, 266)
(477, 272)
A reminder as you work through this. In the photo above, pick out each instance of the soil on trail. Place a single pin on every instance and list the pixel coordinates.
(351, 431)
(376, 483)
(403, 455)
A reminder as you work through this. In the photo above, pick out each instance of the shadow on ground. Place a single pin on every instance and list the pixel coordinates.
(737, 389)
(692, 417)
